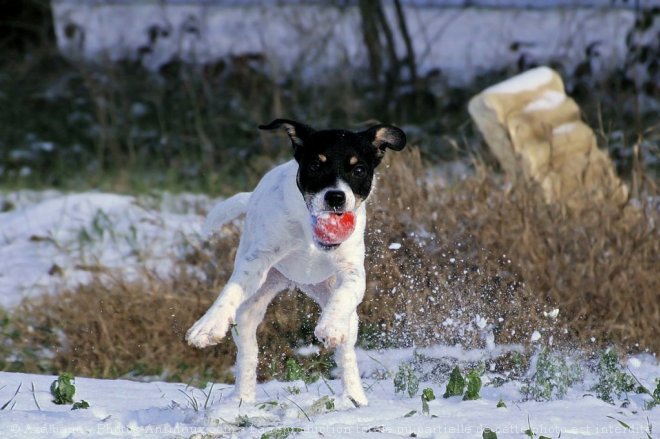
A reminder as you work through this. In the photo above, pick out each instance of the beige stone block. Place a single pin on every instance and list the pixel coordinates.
(536, 132)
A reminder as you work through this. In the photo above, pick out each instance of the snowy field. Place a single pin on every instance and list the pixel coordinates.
(50, 239)
(121, 408)
(84, 232)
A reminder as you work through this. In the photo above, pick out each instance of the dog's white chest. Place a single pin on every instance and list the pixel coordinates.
(307, 266)
(278, 225)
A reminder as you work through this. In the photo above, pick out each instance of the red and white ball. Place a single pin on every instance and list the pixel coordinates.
(332, 228)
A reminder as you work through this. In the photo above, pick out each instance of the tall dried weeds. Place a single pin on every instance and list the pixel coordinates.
(478, 262)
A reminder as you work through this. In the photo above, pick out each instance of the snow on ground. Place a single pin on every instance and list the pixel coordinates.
(49, 239)
(121, 408)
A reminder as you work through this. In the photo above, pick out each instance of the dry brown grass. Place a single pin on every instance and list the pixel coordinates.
(114, 327)
(598, 266)
(475, 248)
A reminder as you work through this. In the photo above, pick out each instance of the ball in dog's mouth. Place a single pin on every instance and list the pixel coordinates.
(332, 228)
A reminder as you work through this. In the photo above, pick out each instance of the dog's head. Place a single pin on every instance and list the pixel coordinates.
(336, 171)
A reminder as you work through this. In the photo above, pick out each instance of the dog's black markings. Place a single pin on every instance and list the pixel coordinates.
(325, 156)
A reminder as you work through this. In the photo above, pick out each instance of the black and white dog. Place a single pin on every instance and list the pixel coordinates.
(304, 227)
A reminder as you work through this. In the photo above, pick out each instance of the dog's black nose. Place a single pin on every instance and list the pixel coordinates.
(335, 199)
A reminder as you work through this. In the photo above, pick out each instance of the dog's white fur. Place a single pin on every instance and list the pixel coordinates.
(277, 252)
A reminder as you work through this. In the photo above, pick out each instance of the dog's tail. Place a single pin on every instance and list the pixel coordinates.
(225, 211)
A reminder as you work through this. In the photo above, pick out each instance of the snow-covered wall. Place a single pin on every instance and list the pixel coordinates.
(313, 38)
(536, 4)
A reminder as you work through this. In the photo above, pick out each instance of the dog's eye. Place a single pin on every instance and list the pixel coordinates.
(359, 171)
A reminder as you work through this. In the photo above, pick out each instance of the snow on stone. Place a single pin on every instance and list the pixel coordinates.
(549, 99)
(52, 239)
(564, 128)
(529, 80)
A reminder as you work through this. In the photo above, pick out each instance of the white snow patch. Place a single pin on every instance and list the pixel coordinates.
(394, 246)
(480, 321)
(551, 314)
(308, 351)
(548, 100)
(529, 80)
(490, 341)
(53, 239)
(536, 336)
(564, 128)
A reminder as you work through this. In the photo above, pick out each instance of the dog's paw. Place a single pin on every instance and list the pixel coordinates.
(331, 334)
(210, 329)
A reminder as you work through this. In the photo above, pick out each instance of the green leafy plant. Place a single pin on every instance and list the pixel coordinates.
(656, 396)
(293, 390)
(80, 405)
(322, 405)
(456, 384)
(268, 405)
(489, 434)
(427, 395)
(293, 371)
(611, 379)
(501, 404)
(406, 380)
(530, 433)
(552, 377)
(473, 385)
(63, 389)
(281, 433)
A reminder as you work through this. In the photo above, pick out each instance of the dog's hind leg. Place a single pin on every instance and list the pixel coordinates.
(248, 317)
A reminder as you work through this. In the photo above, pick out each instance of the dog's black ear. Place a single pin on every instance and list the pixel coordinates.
(385, 136)
(298, 132)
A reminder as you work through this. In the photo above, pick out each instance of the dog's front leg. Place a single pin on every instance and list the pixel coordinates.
(344, 297)
(338, 323)
(247, 278)
(338, 327)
